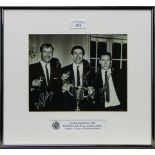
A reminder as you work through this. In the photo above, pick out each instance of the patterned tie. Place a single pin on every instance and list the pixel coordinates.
(47, 74)
(78, 76)
(107, 87)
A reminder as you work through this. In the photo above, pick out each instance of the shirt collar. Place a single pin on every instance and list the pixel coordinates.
(75, 65)
(108, 71)
(43, 63)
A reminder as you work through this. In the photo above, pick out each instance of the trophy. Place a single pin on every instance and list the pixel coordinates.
(78, 93)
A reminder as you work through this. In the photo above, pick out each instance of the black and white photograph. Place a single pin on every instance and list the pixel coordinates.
(77, 77)
(77, 72)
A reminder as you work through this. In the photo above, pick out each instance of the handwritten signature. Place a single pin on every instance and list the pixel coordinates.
(43, 97)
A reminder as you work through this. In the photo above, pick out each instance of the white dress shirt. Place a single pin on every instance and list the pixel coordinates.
(113, 96)
(75, 72)
(44, 69)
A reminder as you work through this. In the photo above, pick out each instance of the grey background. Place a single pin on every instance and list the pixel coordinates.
(62, 45)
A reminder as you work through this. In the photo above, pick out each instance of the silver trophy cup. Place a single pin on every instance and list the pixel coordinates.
(79, 95)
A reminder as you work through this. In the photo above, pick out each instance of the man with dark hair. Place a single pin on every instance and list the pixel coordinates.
(110, 86)
(78, 74)
(46, 45)
(79, 71)
(77, 47)
(44, 81)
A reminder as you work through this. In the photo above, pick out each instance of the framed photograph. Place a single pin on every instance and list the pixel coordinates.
(77, 77)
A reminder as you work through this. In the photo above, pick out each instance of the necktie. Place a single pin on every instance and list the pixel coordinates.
(107, 87)
(47, 74)
(78, 76)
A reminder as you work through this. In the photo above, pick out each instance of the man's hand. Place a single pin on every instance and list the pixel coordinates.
(91, 91)
(36, 83)
(66, 87)
(65, 76)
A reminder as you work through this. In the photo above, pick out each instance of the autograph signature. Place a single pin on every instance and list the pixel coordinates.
(43, 97)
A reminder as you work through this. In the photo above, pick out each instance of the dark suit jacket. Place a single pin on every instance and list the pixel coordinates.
(120, 85)
(87, 81)
(45, 97)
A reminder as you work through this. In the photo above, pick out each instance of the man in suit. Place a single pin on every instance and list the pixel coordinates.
(44, 81)
(78, 74)
(110, 86)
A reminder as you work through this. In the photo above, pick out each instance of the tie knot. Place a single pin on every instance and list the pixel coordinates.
(46, 66)
(77, 66)
(106, 72)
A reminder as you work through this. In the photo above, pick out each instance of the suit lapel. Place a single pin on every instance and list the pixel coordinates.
(52, 71)
(85, 70)
(72, 78)
(85, 75)
(42, 73)
(114, 78)
(99, 79)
